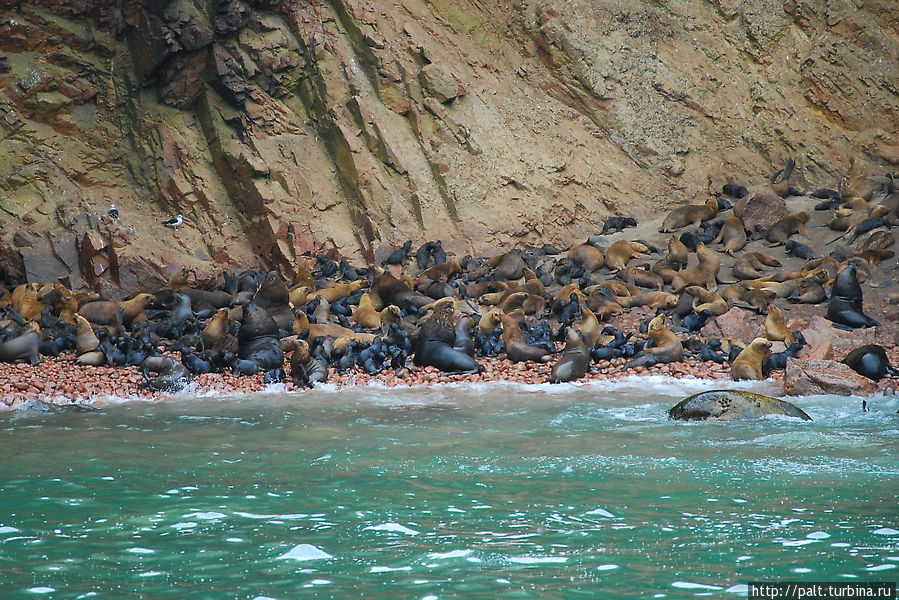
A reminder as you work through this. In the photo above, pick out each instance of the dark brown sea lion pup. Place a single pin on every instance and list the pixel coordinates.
(748, 364)
(663, 347)
(870, 360)
(23, 347)
(436, 338)
(693, 213)
(517, 348)
(575, 359)
(845, 307)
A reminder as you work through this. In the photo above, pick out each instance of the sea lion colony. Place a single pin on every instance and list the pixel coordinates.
(541, 307)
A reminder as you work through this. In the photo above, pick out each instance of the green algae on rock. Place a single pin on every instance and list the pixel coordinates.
(732, 405)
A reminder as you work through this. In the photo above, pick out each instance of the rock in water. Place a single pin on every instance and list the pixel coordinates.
(732, 405)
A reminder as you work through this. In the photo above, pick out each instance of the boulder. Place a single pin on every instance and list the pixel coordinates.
(807, 377)
(439, 82)
(762, 207)
(732, 405)
(735, 323)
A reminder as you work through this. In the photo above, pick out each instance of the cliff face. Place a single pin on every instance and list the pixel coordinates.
(279, 128)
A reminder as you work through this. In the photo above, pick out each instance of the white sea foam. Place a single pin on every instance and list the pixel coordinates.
(393, 528)
(304, 552)
(689, 585)
(538, 560)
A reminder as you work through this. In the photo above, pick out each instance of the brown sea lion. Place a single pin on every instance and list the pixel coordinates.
(215, 329)
(693, 213)
(331, 330)
(299, 294)
(619, 253)
(642, 277)
(665, 268)
(587, 256)
(704, 274)
(336, 291)
(779, 182)
(603, 306)
(441, 271)
(179, 279)
(507, 266)
(103, 312)
(732, 235)
(366, 316)
(781, 231)
(85, 339)
(748, 364)
(755, 298)
(664, 346)
(749, 264)
(706, 300)
(171, 375)
(654, 300)
(575, 359)
(25, 346)
(392, 290)
(25, 301)
(776, 329)
(616, 287)
(489, 321)
(808, 291)
(517, 348)
(590, 329)
(678, 254)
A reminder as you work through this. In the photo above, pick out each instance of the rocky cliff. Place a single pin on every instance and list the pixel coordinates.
(279, 128)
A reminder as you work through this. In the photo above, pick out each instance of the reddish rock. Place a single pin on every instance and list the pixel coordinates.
(735, 323)
(821, 331)
(808, 377)
(762, 207)
(439, 82)
(823, 351)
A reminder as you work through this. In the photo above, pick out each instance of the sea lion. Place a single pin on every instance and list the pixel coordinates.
(215, 329)
(732, 235)
(706, 300)
(776, 328)
(392, 290)
(870, 360)
(517, 348)
(655, 300)
(619, 253)
(678, 254)
(23, 347)
(603, 306)
(732, 405)
(780, 231)
(506, 266)
(575, 359)
(642, 277)
(749, 264)
(664, 345)
(85, 339)
(588, 256)
(103, 312)
(794, 248)
(257, 339)
(748, 364)
(434, 345)
(25, 301)
(755, 298)
(779, 182)
(171, 375)
(704, 274)
(845, 307)
(305, 369)
(441, 271)
(615, 224)
(464, 343)
(665, 268)
(693, 213)
(336, 291)
(808, 291)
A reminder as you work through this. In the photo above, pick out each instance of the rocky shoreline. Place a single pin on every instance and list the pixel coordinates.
(742, 305)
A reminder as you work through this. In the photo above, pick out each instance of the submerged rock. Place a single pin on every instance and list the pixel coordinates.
(732, 405)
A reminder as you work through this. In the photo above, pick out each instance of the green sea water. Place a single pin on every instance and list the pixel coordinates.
(487, 491)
